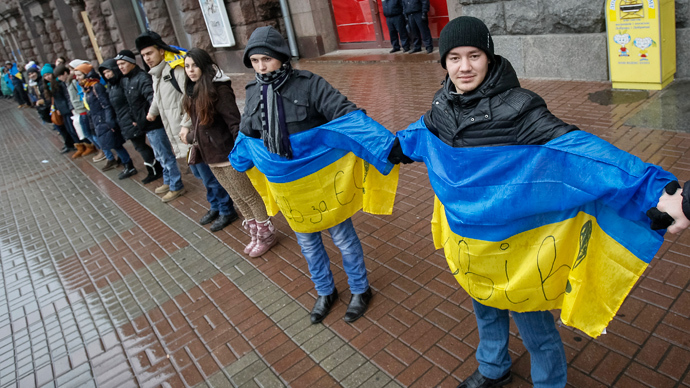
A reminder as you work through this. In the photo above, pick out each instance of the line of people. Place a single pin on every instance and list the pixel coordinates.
(295, 126)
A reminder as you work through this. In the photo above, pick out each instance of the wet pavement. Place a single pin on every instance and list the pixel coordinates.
(104, 285)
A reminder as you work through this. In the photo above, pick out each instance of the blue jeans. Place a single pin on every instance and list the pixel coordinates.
(539, 335)
(88, 133)
(121, 153)
(345, 238)
(215, 193)
(162, 150)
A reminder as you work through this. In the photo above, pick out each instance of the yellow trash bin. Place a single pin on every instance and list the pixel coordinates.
(642, 43)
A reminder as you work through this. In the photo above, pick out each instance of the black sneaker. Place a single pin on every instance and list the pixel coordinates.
(395, 50)
(429, 50)
(223, 221)
(417, 50)
(209, 217)
(476, 380)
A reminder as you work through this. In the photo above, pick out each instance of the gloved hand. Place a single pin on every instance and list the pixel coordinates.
(424, 16)
(396, 155)
(672, 212)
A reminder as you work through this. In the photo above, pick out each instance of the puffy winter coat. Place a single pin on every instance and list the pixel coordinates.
(308, 101)
(167, 103)
(102, 115)
(392, 7)
(499, 112)
(217, 138)
(412, 6)
(138, 88)
(118, 100)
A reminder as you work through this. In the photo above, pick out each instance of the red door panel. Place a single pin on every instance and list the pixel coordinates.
(353, 21)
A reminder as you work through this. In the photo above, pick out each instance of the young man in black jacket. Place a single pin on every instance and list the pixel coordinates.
(480, 109)
(117, 94)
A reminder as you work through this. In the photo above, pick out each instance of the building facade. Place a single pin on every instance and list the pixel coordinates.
(560, 39)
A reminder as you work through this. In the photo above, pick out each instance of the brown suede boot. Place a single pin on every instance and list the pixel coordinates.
(80, 150)
(89, 149)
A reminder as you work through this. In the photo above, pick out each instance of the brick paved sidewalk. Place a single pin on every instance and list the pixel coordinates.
(104, 285)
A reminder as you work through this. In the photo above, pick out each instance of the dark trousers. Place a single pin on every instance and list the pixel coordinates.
(145, 150)
(396, 25)
(21, 96)
(69, 126)
(419, 27)
(66, 137)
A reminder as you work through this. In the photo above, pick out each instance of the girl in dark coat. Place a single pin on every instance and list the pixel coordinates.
(210, 103)
(103, 117)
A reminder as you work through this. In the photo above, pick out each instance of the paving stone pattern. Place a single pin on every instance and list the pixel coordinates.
(104, 285)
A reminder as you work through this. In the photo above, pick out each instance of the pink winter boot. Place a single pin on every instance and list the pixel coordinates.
(250, 225)
(265, 238)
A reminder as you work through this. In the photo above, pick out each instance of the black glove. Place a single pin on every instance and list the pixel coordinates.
(424, 16)
(662, 220)
(396, 155)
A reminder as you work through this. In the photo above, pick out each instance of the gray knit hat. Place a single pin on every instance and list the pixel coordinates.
(268, 41)
(465, 31)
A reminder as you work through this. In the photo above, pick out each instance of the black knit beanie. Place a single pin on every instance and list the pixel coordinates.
(465, 31)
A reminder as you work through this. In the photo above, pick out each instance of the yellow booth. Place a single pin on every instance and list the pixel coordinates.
(642, 43)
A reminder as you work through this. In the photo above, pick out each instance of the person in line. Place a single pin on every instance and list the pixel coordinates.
(167, 69)
(6, 84)
(104, 121)
(20, 96)
(284, 108)
(88, 147)
(210, 104)
(76, 94)
(514, 185)
(55, 91)
(393, 11)
(417, 13)
(119, 73)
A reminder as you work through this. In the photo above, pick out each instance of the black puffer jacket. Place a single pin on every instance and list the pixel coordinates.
(138, 87)
(412, 6)
(102, 114)
(499, 112)
(308, 100)
(392, 7)
(118, 100)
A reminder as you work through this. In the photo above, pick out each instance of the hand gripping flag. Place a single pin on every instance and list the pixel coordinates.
(337, 169)
(556, 226)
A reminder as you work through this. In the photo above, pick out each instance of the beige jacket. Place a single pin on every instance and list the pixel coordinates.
(167, 103)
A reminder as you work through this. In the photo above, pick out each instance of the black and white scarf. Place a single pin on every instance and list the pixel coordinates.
(275, 132)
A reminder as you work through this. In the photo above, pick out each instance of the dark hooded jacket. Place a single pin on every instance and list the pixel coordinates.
(499, 112)
(60, 97)
(138, 87)
(102, 115)
(116, 94)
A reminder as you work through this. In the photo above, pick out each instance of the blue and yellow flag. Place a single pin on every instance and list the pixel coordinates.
(174, 59)
(337, 169)
(530, 228)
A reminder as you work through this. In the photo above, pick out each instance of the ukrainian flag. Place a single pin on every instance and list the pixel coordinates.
(175, 59)
(556, 226)
(330, 176)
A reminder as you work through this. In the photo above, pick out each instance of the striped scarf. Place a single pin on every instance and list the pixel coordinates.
(275, 133)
